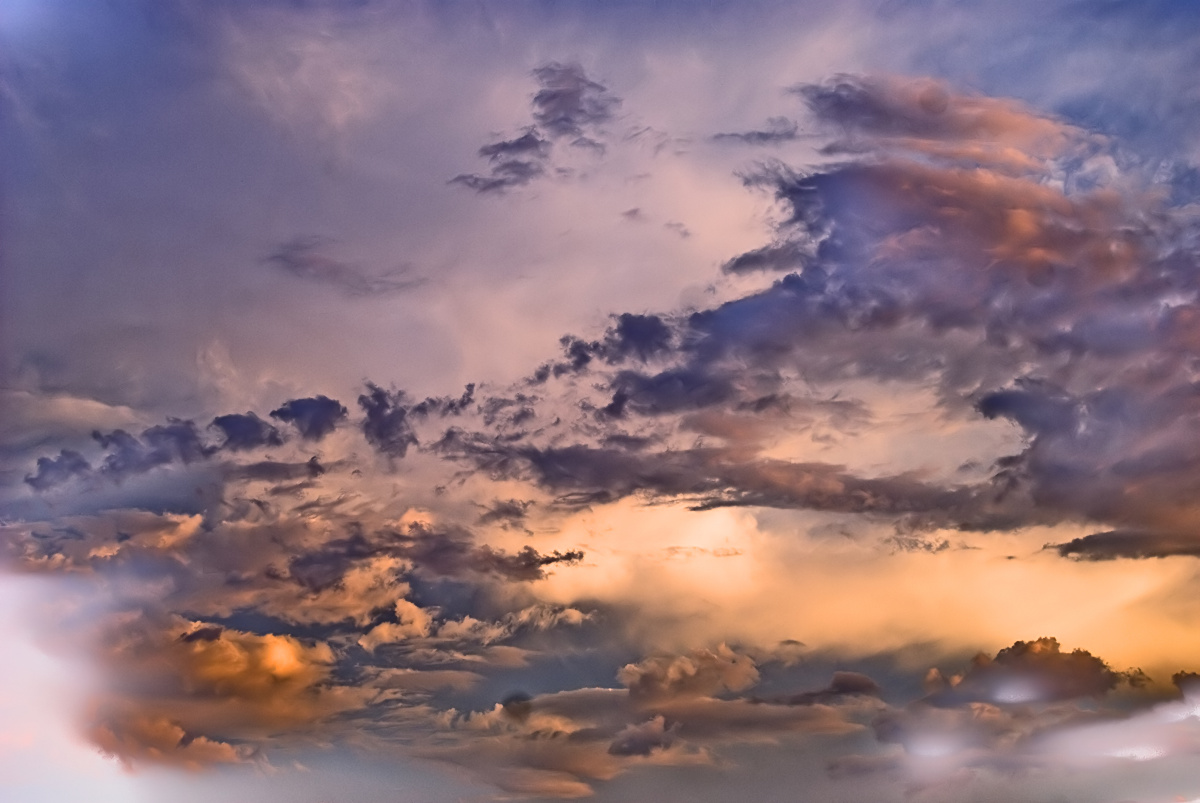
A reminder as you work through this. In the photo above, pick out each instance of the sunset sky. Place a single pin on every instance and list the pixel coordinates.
(422, 402)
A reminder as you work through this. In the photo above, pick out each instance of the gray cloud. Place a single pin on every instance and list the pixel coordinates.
(309, 258)
(569, 107)
(53, 471)
(387, 425)
(569, 102)
(777, 130)
(246, 431)
(314, 417)
(944, 255)
(1129, 544)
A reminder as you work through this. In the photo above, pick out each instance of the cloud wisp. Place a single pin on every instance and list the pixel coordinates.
(569, 109)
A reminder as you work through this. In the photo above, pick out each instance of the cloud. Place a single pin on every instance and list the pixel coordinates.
(927, 115)
(177, 441)
(387, 425)
(777, 130)
(309, 258)
(139, 738)
(506, 512)
(503, 176)
(641, 740)
(843, 683)
(53, 471)
(528, 145)
(314, 417)
(194, 694)
(786, 256)
(1126, 544)
(568, 107)
(444, 554)
(569, 102)
(702, 673)
(1030, 671)
(968, 266)
(246, 431)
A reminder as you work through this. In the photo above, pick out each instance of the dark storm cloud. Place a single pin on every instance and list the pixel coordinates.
(448, 554)
(276, 470)
(643, 337)
(314, 417)
(568, 107)
(778, 129)
(776, 257)
(177, 441)
(53, 471)
(387, 426)
(1129, 544)
(246, 431)
(569, 102)
(942, 258)
(503, 176)
(446, 405)
(309, 258)
(507, 512)
(527, 146)
(671, 391)
(717, 477)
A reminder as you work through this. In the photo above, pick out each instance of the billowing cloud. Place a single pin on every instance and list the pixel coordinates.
(736, 530)
(314, 417)
(246, 431)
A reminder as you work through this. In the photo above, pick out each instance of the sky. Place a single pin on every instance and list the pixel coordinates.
(466, 401)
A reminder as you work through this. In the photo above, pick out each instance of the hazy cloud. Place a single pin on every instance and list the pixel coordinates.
(309, 258)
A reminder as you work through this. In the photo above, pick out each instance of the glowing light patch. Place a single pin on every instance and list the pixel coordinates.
(1141, 753)
(1017, 691)
(932, 747)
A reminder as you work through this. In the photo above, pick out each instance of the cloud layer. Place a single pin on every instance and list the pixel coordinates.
(893, 498)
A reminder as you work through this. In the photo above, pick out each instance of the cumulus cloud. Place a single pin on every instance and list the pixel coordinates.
(314, 417)
(246, 431)
(702, 673)
(387, 427)
(1027, 672)
(52, 471)
(963, 249)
